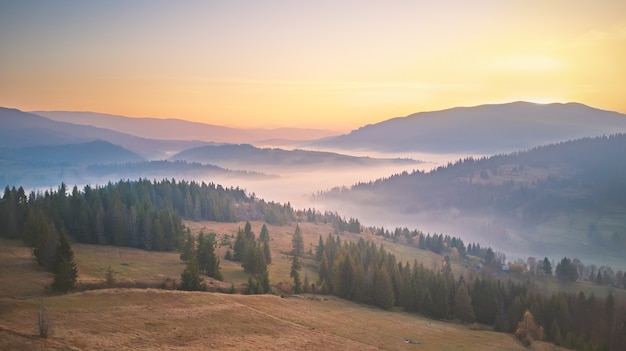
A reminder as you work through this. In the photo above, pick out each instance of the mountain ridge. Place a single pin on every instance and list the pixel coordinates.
(487, 129)
(177, 129)
(23, 129)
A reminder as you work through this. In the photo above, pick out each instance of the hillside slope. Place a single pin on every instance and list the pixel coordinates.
(150, 318)
(562, 199)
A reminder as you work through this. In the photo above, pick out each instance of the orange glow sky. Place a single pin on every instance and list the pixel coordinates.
(324, 64)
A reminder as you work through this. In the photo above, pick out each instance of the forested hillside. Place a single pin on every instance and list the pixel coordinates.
(361, 271)
(585, 179)
(144, 214)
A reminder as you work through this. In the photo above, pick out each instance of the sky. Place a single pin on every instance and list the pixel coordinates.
(318, 64)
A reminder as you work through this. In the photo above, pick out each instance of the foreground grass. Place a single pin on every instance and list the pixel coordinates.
(152, 319)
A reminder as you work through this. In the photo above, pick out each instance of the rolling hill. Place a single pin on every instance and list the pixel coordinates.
(560, 199)
(93, 152)
(178, 129)
(486, 129)
(246, 156)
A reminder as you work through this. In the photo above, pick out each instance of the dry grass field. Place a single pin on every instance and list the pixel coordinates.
(142, 319)
(146, 319)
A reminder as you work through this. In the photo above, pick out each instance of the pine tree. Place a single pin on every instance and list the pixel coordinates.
(557, 338)
(208, 262)
(295, 274)
(190, 278)
(188, 247)
(320, 249)
(65, 271)
(264, 237)
(298, 242)
(383, 290)
(546, 266)
(463, 304)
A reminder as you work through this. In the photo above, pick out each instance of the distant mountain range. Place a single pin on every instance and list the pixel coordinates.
(486, 129)
(37, 151)
(22, 129)
(93, 152)
(246, 156)
(178, 129)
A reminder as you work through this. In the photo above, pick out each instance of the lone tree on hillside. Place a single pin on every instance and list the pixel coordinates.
(264, 237)
(298, 242)
(295, 274)
(65, 271)
(190, 278)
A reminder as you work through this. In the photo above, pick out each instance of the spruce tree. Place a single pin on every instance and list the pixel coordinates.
(264, 237)
(298, 242)
(463, 304)
(383, 290)
(295, 274)
(190, 278)
(208, 262)
(320, 249)
(65, 271)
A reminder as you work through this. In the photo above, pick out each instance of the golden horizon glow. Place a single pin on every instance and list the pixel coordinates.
(331, 65)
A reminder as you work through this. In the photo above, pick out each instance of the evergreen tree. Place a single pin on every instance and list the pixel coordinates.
(208, 262)
(264, 282)
(383, 290)
(188, 247)
(254, 261)
(557, 339)
(190, 278)
(264, 237)
(566, 271)
(298, 242)
(324, 271)
(295, 274)
(65, 270)
(463, 308)
(320, 249)
(265, 234)
(546, 266)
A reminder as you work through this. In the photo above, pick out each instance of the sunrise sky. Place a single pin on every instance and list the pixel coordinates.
(324, 64)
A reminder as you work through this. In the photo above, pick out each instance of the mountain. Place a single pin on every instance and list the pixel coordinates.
(21, 129)
(245, 156)
(561, 199)
(486, 129)
(177, 129)
(93, 152)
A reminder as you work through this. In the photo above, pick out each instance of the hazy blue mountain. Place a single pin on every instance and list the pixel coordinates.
(245, 156)
(486, 129)
(93, 152)
(561, 199)
(177, 129)
(21, 129)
